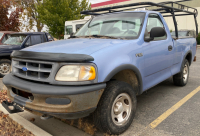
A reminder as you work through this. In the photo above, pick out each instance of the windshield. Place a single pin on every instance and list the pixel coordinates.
(15, 39)
(1, 34)
(180, 33)
(119, 25)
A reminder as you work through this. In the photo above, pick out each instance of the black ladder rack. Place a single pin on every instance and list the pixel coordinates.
(168, 9)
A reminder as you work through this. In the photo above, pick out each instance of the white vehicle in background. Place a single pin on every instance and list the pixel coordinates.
(74, 25)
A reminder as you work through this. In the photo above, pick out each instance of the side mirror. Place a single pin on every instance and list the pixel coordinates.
(156, 32)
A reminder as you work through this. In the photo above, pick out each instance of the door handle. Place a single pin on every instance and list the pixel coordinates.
(170, 48)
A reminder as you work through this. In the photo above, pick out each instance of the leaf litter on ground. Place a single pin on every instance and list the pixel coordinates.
(8, 127)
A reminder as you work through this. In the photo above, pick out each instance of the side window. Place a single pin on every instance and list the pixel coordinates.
(154, 21)
(68, 30)
(50, 38)
(44, 39)
(78, 26)
(36, 39)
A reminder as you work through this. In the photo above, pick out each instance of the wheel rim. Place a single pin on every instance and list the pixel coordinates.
(185, 73)
(121, 109)
(5, 68)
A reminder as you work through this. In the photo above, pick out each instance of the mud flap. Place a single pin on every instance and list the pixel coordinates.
(15, 108)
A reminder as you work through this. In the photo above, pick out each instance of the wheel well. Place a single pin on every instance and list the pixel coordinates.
(5, 57)
(129, 77)
(189, 58)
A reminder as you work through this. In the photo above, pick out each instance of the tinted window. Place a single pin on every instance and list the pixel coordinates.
(154, 21)
(44, 38)
(36, 39)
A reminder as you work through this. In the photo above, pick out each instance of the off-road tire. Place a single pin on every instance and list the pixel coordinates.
(5, 61)
(178, 79)
(102, 116)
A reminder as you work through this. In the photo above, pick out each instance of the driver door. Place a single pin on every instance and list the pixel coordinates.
(157, 55)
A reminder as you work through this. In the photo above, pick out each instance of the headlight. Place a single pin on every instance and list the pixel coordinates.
(76, 73)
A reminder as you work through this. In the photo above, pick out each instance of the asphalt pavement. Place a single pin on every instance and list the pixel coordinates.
(155, 104)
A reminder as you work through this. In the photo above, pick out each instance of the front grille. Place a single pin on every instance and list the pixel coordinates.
(32, 70)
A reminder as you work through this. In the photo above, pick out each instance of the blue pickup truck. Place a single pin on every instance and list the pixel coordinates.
(102, 68)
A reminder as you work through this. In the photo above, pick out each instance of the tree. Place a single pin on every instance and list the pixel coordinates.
(30, 14)
(9, 22)
(54, 13)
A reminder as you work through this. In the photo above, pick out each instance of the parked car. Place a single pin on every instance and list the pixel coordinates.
(18, 41)
(4, 36)
(185, 33)
(100, 70)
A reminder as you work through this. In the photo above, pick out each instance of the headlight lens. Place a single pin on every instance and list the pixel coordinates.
(76, 73)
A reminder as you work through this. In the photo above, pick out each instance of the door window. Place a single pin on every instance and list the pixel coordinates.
(154, 21)
(36, 39)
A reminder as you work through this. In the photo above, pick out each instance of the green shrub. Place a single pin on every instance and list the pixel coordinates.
(198, 39)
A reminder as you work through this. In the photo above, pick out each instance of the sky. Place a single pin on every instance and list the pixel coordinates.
(97, 1)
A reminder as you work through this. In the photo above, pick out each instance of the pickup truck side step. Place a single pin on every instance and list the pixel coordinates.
(15, 109)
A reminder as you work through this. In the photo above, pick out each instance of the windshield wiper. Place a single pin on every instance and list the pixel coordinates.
(102, 36)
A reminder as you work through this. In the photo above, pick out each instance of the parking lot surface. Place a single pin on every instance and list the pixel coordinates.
(177, 109)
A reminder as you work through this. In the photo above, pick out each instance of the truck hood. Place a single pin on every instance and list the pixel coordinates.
(75, 46)
(9, 48)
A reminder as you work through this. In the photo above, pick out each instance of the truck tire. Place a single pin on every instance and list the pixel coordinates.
(116, 108)
(181, 78)
(5, 67)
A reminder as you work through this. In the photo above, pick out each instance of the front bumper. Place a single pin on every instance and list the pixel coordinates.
(68, 102)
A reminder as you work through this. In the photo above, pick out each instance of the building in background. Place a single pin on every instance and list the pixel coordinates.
(184, 22)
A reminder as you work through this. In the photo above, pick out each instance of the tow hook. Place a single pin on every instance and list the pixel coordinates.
(45, 117)
(12, 107)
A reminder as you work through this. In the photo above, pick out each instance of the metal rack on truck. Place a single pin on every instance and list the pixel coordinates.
(168, 9)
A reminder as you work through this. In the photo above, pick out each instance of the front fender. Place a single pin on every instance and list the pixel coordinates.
(125, 67)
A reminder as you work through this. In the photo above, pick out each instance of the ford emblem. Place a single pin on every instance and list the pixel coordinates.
(25, 69)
